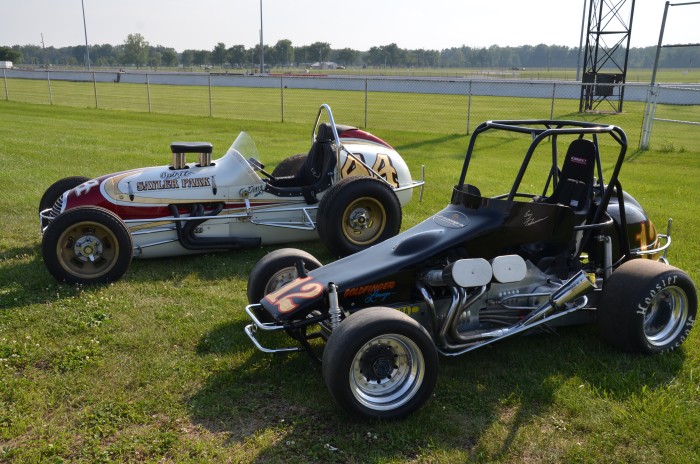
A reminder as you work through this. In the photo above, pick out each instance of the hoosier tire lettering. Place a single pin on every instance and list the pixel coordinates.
(647, 307)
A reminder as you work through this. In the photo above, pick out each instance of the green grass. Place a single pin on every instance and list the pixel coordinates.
(156, 367)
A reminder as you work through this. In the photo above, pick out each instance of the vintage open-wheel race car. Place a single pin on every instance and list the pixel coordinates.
(348, 191)
(565, 244)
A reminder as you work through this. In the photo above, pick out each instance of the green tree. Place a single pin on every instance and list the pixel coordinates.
(219, 54)
(237, 55)
(268, 52)
(346, 56)
(187, 58)
(103, 55)
(200, 57)
(8, 54)
(319, 51)
(155, 58)
(169, 57)
(283, 52)
(135, 50)
(375, 56)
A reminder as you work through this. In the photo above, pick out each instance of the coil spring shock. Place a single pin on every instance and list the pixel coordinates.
(333, 306)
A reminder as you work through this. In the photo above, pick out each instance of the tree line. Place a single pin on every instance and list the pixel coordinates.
(136, 51)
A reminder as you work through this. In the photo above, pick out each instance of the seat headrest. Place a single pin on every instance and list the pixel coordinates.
(325, 133)
(579, 161)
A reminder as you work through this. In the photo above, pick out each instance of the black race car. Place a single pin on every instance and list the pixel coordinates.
(576, 249)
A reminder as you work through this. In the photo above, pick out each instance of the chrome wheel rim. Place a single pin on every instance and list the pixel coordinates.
(387, 372)
(666, 316)
(281, 278)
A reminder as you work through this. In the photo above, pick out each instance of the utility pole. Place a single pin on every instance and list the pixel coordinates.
(46, 58)
(87, 47)
(262, 49)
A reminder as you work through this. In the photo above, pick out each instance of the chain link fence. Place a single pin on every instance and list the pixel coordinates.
(447, 105)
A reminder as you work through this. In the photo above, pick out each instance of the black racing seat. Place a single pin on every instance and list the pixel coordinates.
(320, 160)
(575, 189)
(315, 175)
(575, 186)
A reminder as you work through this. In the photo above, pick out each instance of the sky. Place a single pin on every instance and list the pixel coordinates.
(356, 24)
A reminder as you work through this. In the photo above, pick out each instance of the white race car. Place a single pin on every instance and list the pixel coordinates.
(348, 191)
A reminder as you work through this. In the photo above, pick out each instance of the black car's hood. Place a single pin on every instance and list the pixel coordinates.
(457, 224)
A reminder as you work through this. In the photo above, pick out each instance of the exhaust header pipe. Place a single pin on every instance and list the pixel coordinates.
(572, 289)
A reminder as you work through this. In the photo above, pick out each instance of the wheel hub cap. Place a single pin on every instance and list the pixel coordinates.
(378, 364)
(387, 372)
(360, 219)
(381, 368)
(88, 248)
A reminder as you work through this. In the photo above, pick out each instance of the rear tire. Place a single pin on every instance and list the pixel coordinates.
(289, 166)
(356, 213)
(647, 307)
(57, 189)
(380, 363)
(87, 245)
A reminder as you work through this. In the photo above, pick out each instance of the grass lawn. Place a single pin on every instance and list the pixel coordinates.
(156, 367)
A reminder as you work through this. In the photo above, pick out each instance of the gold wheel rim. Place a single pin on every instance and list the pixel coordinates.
(87, 249)
(364, 221)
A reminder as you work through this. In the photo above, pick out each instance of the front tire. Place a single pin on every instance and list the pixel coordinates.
(356, 213)
(647, 307)
(87, 245)
(274, 270)
(380, 363)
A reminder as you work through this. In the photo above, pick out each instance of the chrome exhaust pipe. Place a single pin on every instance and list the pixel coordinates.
(572, 289)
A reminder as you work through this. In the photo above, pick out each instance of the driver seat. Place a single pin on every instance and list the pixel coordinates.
(316, 173)
(320, 161)
(575, 186)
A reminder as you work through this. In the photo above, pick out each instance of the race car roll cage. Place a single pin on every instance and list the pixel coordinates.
(571, 296)
(553, 129)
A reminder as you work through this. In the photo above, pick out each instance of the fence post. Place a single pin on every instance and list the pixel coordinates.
(366, 87)
(94, 88)
(4, 78)
(469, 106)
(48, 80)
(649, 111)
(554, 91)
(211, 108)
(282, 96)
(148, 91)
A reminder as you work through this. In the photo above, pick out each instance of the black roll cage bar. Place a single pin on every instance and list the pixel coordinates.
(541, 129)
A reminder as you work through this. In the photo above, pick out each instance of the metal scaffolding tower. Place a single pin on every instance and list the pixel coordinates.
(606, 54)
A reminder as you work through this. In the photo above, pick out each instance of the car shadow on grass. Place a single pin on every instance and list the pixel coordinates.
(483, 405)
(212, 265)
(24, 279)
(449, 138)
